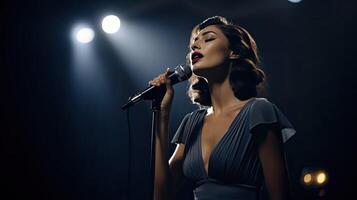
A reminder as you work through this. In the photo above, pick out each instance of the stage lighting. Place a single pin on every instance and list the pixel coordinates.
(314, 177)
(111, 24)
(307, 178)
(295, 1)
(321, 178)
(85, 35)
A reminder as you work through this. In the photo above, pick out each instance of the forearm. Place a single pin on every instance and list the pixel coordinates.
(162, 176)
(162, 134)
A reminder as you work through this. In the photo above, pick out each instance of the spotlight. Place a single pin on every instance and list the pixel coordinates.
(295, 1)
(111, 24)
(307, 178)
(315, 181)
(314, 177)
(321, 178)
(85, 35)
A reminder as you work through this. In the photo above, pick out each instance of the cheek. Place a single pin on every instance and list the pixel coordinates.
(217, 53)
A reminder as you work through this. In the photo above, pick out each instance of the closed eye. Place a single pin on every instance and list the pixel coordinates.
(210, 39)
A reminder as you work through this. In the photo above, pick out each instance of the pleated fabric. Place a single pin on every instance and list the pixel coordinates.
(234, 169)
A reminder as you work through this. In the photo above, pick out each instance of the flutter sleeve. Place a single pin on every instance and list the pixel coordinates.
(263, 112)
(181, 132)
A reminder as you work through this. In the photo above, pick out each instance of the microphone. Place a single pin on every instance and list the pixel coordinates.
(181, 73)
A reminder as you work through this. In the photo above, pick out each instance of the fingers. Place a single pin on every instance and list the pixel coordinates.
(167, 74)
(161, 79)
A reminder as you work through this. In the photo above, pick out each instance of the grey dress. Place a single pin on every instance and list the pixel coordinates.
(234, 170)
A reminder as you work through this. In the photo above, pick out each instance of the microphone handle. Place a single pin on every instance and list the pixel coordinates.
(150, 92)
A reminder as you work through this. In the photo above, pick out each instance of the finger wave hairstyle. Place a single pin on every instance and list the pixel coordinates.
(246, 77)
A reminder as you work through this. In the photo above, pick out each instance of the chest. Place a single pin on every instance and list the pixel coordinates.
(222, 149)
(212, 132)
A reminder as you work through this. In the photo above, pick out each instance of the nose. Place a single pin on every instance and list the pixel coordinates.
(195, 46)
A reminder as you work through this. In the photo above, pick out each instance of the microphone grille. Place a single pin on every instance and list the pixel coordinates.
(183, 71)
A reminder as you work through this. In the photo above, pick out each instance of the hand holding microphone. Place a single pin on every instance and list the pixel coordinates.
(163, 79)
(167, 79)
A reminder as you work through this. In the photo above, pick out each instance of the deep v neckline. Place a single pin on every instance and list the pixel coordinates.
(219, 141)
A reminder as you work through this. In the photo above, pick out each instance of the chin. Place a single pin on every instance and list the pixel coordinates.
(197, 68)
(201, 67)
(200, 70)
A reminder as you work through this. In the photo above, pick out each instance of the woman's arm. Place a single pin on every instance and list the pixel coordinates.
(168, 172)
(162, 176)
(162, 182)
(271, 155)
(176, 173)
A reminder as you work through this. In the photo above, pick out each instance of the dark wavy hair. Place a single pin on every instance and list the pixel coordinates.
(245, 76)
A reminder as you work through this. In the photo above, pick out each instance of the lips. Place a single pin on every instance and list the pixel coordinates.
(196, 56)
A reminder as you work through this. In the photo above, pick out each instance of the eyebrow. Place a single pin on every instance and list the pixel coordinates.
(205, 33)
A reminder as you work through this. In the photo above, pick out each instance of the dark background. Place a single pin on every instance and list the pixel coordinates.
(61, 142)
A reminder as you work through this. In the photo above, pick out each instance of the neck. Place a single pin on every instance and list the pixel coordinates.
(223, 98)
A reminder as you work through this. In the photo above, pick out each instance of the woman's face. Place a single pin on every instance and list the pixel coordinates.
(209, 49)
